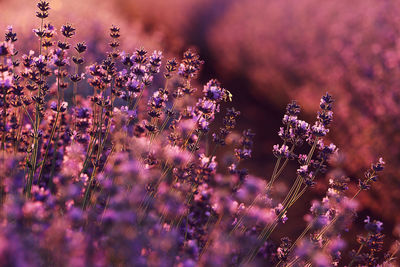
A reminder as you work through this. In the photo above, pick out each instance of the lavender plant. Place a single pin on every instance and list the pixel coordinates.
(124, 176)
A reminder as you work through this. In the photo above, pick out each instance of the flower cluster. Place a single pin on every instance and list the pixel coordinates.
(359, 65)
(124, 176)
(371, 243)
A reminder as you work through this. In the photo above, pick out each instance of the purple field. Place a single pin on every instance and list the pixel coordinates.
(199, 133)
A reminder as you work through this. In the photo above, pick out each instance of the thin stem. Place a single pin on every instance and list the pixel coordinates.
(36, 128)
(138, 99)
(358, 252)
(277, 172)
(94, 172)
(209, 239)
(305, 231)
(54, 160)
(192, 186)
(53, 129)
(323, 231)
(16, 143)
(27, 113)
(4, 119)
(74, 93)
(89, 153)
(267, 231)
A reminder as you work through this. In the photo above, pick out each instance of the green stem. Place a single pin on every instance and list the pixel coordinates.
(74, 93)
(95, 169)
(54, 160)
(267, 231)
(36, 129)
(277, 172)
(53, 129)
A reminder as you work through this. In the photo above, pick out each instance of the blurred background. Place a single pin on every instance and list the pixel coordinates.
(268, 52)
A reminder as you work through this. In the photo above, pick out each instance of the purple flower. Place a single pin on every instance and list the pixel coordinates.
(289, 119)
(207, 107)
(303, 171)
(155, 62)
(208, 163)
(213, 91)
(292, 109)
(379, 165)
(373, 226)
(326, 102)
(318, 129)
(6, 81)
(6, 48)
(282, 151)
(302, 159)
(53, 106)
(302, 128)
(278, 211)
(67, 30)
